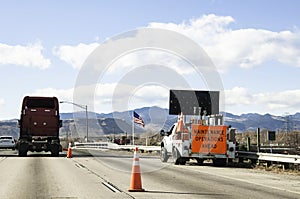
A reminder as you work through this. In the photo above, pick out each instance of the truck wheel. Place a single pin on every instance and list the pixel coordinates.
(55, 151)
(164, 154)
(23, 150)
(182, 161)
(176, 156)
(199, 161)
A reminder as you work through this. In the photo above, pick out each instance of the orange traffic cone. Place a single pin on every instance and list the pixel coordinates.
(180, 123)
(69, 153)
(136, 180)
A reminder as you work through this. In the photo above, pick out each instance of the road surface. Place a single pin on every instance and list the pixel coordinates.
(106, 174)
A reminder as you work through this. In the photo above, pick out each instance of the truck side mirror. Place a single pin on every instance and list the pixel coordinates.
(162, 132)
(60, 123)
(19, 124)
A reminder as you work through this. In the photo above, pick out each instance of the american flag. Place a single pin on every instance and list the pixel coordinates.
(138, 119)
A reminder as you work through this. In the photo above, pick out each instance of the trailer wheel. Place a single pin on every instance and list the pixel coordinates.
(220, 162)
(23, 150)
(176, 156)
(164, 154)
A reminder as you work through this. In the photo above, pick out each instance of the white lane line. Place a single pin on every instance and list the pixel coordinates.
(111, 187)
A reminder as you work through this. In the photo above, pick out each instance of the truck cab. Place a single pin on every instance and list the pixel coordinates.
(199, 140)
(39, 125)
(168, 137)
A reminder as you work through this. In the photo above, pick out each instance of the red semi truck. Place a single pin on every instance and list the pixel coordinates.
(39, 126)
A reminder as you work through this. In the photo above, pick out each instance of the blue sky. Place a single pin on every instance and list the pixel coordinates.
(255, 46)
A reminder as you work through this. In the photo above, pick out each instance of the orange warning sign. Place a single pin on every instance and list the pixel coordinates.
(208, 139)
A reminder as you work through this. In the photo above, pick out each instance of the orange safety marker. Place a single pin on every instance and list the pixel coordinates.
(180, 123)
(136, 180)
(69, 153)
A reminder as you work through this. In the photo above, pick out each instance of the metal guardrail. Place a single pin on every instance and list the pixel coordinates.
(91, 145)
(109, 145)
(295, 159)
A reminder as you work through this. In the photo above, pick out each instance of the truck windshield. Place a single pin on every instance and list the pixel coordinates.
(6, 138)
(40, 103)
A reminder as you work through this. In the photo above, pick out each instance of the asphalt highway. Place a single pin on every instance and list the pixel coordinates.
(106, 174)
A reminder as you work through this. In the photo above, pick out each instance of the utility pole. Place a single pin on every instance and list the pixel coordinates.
(86, 116)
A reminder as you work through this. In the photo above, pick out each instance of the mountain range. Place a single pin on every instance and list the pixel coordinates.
(155, 119)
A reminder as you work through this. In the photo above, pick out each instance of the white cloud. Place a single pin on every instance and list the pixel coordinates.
(227, 47)
(282, 100)
(150, 95)
(241, 47)
(105, 99)
(30, 55)
(61, 94)
(240, 100)
(75, 55)
(237, 95)
(145, 95)
(149, 57)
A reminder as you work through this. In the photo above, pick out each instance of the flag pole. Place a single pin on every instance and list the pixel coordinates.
(132, 127)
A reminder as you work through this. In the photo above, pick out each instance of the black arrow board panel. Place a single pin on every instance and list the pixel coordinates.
(185, 100)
